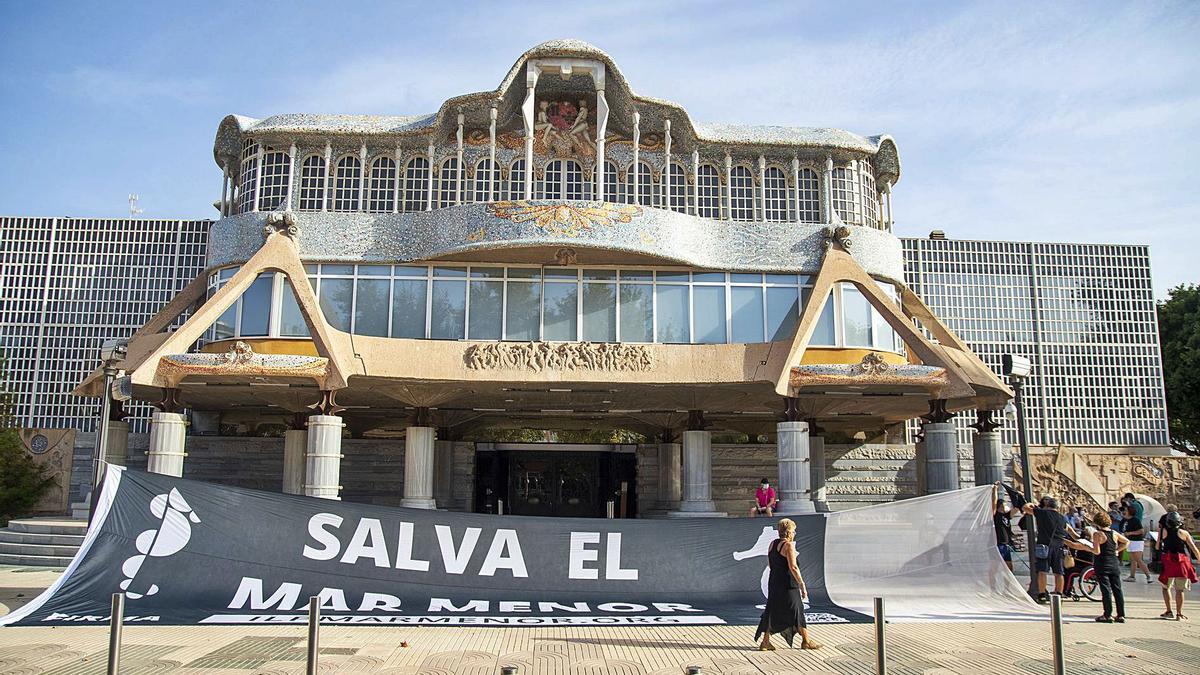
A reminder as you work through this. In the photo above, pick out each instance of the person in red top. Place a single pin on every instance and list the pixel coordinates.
(765, 501)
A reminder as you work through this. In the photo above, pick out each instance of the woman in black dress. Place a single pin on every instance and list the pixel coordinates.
(1106, 546)
(785, 593)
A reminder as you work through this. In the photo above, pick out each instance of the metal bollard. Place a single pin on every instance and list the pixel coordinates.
(880, 646)
(694, 670)
(314, 633)
(508, 670)
(1060, 663)
(115, 623)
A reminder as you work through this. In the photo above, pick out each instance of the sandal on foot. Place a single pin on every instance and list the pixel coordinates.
(1180, 617)
(768, 648)
(811, 644)
(1167, 615)
(1119, 619)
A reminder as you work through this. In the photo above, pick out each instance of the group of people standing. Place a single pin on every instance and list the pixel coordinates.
(1105, 535)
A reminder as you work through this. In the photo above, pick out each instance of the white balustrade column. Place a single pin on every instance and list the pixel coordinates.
(328, 177)
(295, 445)
(696, 489)
(293, 167)
(491, 195)
(762, 188)
(323, 461)
(167, 434)
(827, 191)
(887, 202)
(363, 176)
(796, 187)
(816, 451)
(666, 181)
(941, 457)
(601, 131)
(695, 183)
(443, 474)
(727, 200)
(224, 210)
(795, 471)
(397, 190)
(527, 115)
(429, 182)
(117, 446)
(669, 475)
(458, 194)
(418, 468)
(636, 168)
(258, 161)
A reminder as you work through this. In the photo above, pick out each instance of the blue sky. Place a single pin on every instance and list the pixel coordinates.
(1051, 122)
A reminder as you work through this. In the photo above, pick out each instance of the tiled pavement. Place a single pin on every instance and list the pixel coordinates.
(1144, 645)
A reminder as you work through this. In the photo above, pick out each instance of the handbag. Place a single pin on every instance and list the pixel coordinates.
(1042, 551)
(1068, 561)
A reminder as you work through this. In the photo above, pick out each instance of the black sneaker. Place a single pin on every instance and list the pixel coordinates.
(1119, 619)
(1043, 598)
(1105, 619)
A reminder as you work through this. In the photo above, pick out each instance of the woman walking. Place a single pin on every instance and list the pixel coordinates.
(1135, 532)
(785, 593)
(1177, 571)
(1106, 546)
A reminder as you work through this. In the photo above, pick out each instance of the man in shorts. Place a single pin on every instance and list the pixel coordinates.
(765, 501)
(1052, 531)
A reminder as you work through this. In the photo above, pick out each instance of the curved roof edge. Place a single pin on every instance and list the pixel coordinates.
(883, 145)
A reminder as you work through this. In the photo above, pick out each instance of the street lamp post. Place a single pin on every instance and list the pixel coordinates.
(112, 352)
(1017, 368)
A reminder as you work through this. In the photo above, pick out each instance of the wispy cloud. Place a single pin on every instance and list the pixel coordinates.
(119, 88)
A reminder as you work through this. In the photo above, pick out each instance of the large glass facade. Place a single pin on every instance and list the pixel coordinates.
(602, 304)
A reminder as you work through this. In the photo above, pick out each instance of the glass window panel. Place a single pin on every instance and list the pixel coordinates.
(561, 310)
(745, 278)
(524, 273)
(335, 299)
(638, 275)
(310, 269)
(291, 321)
(227, 273)
(671, 315)
(371, 307)
(637, 317)
(256, 306)
(673, 277)
(561, 273)
(881, 333)
(789, 279)
(746, 313)
(856, 317)
(487, 272)
(449, 312)
(600, 312)
(408, 308)
(806, 280)
(824, 333)
(708, 276)
(783, 311)
(602, 275)
(374, 270)
(337, 269)
(523, 319)
(224, 327)
(411, 270)
(486, 299)
(449, 271)
(709, 314)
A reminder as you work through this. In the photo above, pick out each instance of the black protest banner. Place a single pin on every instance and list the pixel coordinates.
(188, 552)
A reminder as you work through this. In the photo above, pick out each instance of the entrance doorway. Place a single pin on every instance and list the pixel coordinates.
(544, 479)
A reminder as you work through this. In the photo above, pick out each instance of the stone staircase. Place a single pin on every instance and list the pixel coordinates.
(41, 542)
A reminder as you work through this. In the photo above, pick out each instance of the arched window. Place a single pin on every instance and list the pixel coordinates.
(809, 208)
(679, 189)
(709, 187)
(416, 184)
(276, 169)
(347, 183)
(612, 183)
(312, 183)
(447, 194)
(775, 201)
(741, 194)
(845, 194)
(551, 185)
(249, 175)
(516, 180)
(481, 181)
(381, 197)
(645, 185)
(575, 183)
(870, 197)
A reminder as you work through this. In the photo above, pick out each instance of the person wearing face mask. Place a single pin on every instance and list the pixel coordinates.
(765, 500)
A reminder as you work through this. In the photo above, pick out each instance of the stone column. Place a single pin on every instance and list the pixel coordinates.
(988, 455)
(816, 453)
(323, 461)
(117, 450)
(443, 470)
(418, 468)
(167, 433)
(696, 488)
(295, 444)
(941, 449)
(795, 470)
(669, 475)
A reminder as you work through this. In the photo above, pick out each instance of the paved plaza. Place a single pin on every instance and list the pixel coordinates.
(1145, 645)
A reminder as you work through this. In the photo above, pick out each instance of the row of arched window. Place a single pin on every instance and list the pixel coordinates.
(384, 187)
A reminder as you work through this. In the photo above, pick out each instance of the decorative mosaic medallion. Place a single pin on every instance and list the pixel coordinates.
(566, 220)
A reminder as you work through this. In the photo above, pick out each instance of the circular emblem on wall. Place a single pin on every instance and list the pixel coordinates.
(39, 444)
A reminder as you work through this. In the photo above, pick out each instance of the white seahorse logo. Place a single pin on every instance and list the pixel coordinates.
(172, 534)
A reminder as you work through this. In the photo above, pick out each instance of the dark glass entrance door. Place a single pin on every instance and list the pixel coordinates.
(555, 484)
